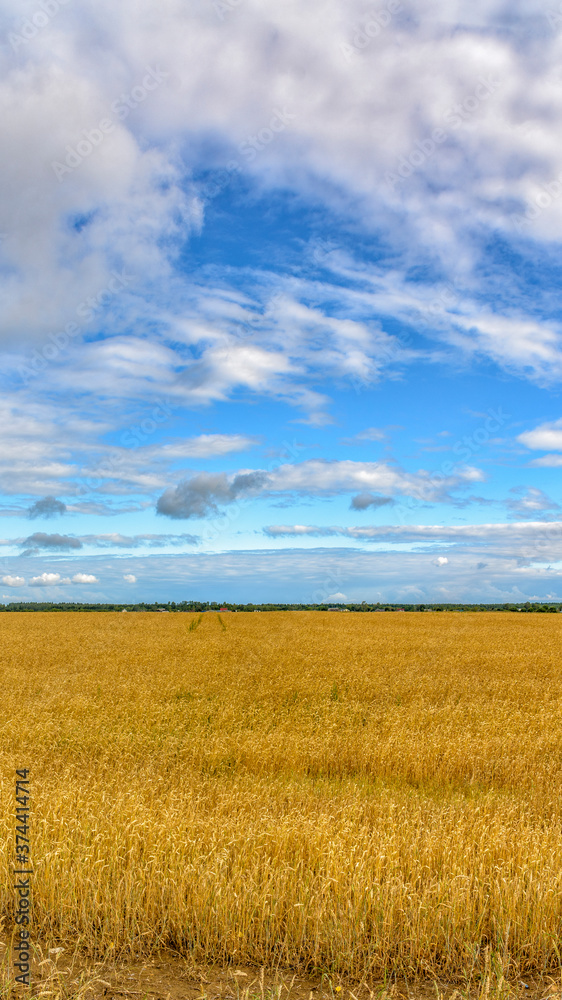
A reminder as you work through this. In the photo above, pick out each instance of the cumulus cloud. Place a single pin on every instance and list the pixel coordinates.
(47, 507)
(545, 437)
(318, 477)
(440, 561)
(365, 500)
(201, 495)
(13, 581)
(130, 578)
(46, 580)
(55, 579)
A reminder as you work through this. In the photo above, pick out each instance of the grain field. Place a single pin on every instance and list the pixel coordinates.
(365, 794)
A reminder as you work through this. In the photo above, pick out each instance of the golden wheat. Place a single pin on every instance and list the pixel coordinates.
(363, 794)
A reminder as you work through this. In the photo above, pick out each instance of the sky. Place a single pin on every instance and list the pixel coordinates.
(280, 300)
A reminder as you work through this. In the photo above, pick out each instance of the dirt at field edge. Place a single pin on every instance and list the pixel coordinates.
(169, 977)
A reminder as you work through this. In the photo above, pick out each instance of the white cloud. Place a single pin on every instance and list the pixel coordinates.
(514, 342)
(371, 434)
(45, 580)
(513, 533)
(514, 570)
(51, 449)
(547, 462)
(13, 581)
(130, 578)
(128, 198)
(84, 578)
(530, 501)
(204, 493)
(206, 446)
(337, 597)
(317, 477)
(440, 561)
(546, 437)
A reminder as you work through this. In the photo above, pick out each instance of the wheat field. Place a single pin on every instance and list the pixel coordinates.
(367, 794)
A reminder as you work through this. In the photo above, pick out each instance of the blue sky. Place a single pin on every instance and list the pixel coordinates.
(281, 314)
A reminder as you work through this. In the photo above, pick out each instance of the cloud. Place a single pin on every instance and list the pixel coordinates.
(364, 500)
(46, 580)
(13, 581)
(542, 438)
(317, 477)
(515, 571)
(47, 507)
(546, 437)
(370, 434)
(116, 540)
(547, 461)
(59, 543)
(63, 543)
(440, 561)
(200, 496)
(337, 597)
(206, 446)
(530, 501)
(130, 578)
(129, 196)
(54, 579)
(519, 536)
